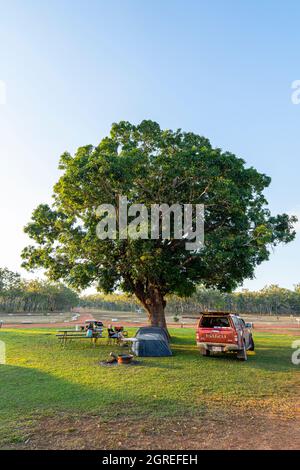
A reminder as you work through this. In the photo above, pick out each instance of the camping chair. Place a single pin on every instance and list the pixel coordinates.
(120, 329)
(112, 339)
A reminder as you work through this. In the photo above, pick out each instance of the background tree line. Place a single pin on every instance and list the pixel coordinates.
(20, 295)
(272, 300)
(117, 302)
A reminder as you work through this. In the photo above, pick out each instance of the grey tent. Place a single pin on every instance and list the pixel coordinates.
(151, 341)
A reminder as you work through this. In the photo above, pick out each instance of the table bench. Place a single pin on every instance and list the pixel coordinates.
(68, 335)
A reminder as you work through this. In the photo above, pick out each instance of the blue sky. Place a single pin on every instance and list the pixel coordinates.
(220, 69)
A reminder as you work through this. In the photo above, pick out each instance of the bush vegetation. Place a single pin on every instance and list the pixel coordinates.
(20, 295)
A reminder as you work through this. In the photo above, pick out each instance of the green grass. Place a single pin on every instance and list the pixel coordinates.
(40, 379)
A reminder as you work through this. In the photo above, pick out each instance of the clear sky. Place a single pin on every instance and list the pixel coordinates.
(223, 69)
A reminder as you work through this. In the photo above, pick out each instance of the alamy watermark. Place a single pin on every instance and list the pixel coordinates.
(296, 354)
(2, 353)
(295, 97)
(136, 221)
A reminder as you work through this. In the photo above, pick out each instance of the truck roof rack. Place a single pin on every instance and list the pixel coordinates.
(216, 312)
(211, 312)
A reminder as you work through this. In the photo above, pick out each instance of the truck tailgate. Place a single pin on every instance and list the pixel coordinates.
(217, 335)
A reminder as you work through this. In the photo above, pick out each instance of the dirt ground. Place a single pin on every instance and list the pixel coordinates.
(265, 326)
(237, 431)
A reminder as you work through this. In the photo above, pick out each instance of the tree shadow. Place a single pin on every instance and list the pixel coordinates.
(266, 357)
(26, 391)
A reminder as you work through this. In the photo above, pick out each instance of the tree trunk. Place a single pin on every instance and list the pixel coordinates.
(156, 314)
(153, 301)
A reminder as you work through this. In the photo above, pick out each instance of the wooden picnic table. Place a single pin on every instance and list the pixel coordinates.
(69, 331)
(68, 335)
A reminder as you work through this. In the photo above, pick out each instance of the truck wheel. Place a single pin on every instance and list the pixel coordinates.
(251, 344)
(205, 352)
(242, 354)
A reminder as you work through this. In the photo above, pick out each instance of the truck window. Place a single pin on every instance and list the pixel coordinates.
(236, 322)
(214, 322)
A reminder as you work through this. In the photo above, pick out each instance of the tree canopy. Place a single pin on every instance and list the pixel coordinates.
(149, 165)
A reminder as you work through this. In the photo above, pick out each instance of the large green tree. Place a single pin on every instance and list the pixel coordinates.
(153, 166)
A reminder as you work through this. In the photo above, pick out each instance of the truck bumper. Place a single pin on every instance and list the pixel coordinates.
(225, 347)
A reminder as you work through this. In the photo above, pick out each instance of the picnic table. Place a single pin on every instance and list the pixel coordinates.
(69, 335)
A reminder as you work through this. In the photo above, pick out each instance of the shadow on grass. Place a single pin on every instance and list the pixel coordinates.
(25, 390)
(268, 357)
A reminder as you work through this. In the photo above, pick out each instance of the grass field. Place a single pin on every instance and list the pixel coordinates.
(43, 386)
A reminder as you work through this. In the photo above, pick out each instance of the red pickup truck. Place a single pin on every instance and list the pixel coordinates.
(224, 332)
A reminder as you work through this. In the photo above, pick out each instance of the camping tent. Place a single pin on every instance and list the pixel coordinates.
(151, 341)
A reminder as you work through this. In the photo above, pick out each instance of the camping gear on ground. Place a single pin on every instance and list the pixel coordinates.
(125, 358)
(151, 341)
(119, 359)
(113, 358)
